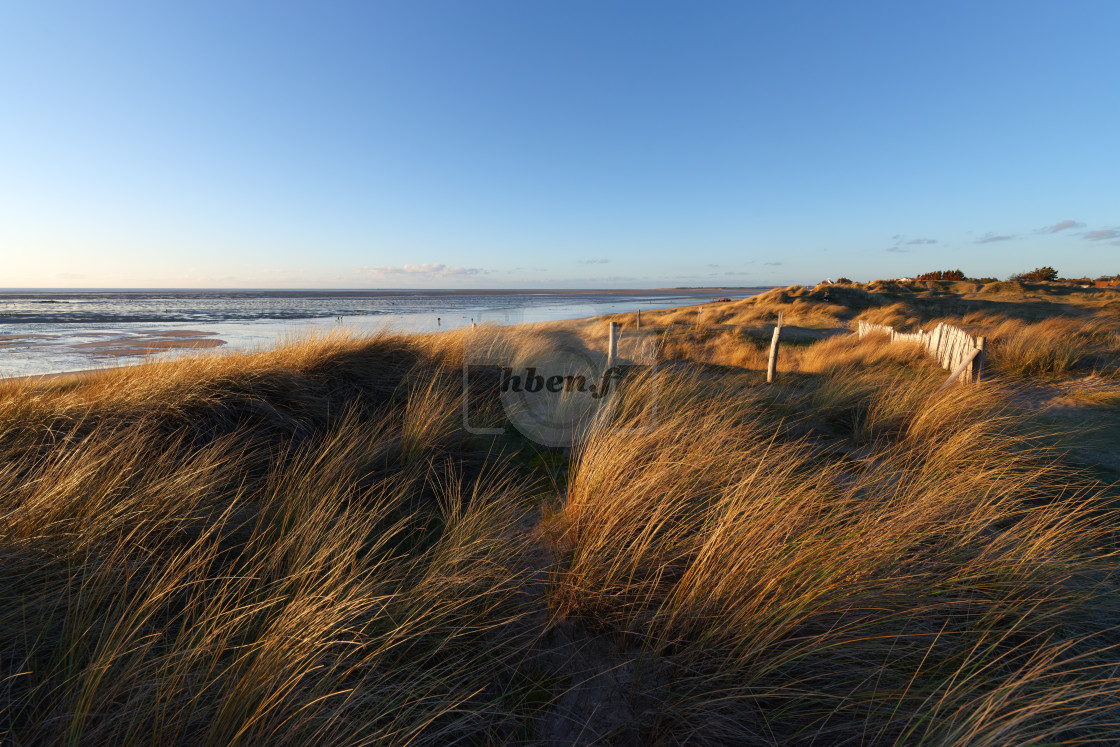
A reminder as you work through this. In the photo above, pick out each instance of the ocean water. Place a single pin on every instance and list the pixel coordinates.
(50, 331)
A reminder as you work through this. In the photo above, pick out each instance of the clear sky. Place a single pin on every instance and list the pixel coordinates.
(545, 143)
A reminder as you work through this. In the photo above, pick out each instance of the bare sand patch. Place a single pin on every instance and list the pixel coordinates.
(148, 342)
(10, 340)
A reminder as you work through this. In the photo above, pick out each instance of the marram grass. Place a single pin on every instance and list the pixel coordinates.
(302, 546)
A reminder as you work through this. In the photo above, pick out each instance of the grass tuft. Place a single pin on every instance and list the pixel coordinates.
(303, 545)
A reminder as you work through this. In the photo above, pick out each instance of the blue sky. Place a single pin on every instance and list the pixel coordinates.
(554, 144)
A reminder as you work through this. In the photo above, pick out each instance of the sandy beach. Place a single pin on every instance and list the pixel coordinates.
(53, 331)
(148, 342)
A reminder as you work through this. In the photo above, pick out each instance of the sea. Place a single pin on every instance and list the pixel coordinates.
(51, 331)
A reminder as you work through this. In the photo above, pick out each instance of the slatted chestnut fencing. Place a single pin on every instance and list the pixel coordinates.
(954, 349)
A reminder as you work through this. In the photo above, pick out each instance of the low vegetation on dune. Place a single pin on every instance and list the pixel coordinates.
(305, 545)
(928, 584)
(1035, 329)
(292, 546)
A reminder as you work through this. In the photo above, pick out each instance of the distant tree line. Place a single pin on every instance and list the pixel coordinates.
(951, 275)
(941, 275)
(1045, 274)
(1037, 275)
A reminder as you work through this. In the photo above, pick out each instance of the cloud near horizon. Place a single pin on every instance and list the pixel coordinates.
(988, 238)
(422, 270)
(1061, 226)
(614, 279)
(900, 241)
(593, 261)
(1104, 233)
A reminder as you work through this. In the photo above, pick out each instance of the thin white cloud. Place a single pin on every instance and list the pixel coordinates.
(989, 237)
(593, 261)
(900, 241)
(1104, 233)
(422, 270)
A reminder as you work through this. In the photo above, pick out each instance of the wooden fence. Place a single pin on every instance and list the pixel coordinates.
(952, 347)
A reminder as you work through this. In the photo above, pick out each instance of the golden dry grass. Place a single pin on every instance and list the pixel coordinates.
(273, 548)
(1032, 330)
(303, 545)
(791, 593)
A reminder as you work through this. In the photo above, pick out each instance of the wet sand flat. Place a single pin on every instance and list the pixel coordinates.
(143, 342)
(10, 340)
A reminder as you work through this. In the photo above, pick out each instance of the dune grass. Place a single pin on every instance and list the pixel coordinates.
(303, 545)
(792, 596)
(282, 548)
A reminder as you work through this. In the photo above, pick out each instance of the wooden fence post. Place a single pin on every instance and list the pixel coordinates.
(978, 363)
(772, 366)
(639, 325)
(962, 368)
(612, 344)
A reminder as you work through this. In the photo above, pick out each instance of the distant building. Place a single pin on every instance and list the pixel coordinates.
(1106, 283)
(905, 280)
